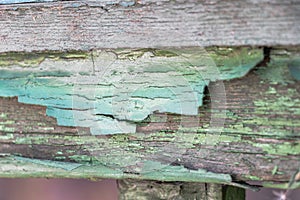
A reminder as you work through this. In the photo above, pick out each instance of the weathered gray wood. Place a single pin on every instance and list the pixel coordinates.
(151, 190)
(23, 1)
(79, 25)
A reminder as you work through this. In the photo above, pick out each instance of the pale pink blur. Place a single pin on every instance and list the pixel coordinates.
(57, 189)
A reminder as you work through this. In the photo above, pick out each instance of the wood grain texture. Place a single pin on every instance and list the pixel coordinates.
(110, 91)
(143, 190)
(259, 141)
(78, 25)
(23, 1)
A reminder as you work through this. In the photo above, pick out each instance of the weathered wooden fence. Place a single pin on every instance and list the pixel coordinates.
(185, 99)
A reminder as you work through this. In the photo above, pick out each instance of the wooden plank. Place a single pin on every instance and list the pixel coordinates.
(259, 140)
(110, 91)
(23, 1)
(77, 25)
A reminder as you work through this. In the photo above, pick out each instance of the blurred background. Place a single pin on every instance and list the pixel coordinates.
(79, 189)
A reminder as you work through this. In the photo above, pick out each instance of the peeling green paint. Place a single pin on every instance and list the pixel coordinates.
(50, 163)
(238, 63)
(26, 167)
(152, 170)
(156, 80)
(271, 91)
(3, 115)
(125, 148)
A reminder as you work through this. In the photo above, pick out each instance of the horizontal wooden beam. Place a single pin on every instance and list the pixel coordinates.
(78, 25)
(259, 138)
(110, 91)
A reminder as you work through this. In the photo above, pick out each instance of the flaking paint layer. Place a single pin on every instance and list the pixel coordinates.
(110, 91)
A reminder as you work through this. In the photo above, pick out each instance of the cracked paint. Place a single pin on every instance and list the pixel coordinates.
(110, 91)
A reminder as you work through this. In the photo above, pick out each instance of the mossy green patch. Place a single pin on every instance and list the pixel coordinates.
(46, 128)
(253, 178)
(7, 122)
(281, 104)
(41, 124)
(274, 171)
(23, 140)
(271, 90)
(5, 128)
(7, 136)
(286, 148)
(3, 115)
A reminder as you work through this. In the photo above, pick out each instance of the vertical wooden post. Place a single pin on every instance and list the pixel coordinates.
(152, 190)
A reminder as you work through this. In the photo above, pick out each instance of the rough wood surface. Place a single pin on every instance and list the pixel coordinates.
(111, 91)
(85, 25)
(259, 139)
(132, 189)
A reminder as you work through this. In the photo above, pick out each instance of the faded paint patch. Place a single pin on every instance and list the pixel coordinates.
(110, 92)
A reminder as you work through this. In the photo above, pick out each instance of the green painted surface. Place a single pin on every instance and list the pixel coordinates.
(110, 91)
(50, 163)
(24, 167)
